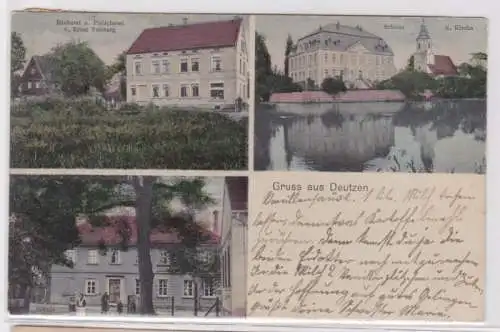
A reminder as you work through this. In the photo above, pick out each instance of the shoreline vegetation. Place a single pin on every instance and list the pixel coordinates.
(64, 133)
(415, 85)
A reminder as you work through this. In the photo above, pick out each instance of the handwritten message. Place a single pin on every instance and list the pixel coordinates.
(367, 246)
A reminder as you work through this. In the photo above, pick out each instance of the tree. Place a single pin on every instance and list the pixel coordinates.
(288, 50)
(77, 69)
(410, 83)
(333, 86)
(263, 68)
(119, 67)
(411, 64)
(17, 60)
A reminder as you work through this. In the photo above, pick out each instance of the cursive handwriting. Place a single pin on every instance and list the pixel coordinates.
(384, 252)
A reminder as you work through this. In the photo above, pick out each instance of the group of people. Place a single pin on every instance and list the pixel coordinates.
(81, 303)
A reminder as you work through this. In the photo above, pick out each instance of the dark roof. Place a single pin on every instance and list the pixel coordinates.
(110, 234)
(238, 192)
(443, 65)
(46, 63)
(189, 36)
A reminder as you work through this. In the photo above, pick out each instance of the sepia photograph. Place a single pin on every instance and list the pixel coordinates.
(129, 90)
(127, 245)
(370, 94)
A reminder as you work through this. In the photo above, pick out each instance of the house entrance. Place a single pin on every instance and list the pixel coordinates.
(114, 286)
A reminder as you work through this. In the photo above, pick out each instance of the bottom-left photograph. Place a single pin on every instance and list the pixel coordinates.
(127, 245)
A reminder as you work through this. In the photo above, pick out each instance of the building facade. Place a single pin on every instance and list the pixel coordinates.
(37, 78)
(233, 250)
(201, 65)
(358, 57)
(427, 61)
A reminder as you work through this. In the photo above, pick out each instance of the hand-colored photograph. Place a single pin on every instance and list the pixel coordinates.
(127, 245)
(118, 91)
(370, 94)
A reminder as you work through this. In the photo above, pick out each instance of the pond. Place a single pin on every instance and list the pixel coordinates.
(440, 136)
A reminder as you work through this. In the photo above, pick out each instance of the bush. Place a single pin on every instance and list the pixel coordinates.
(81, 134)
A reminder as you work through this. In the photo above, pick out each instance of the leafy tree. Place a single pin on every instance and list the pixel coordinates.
(310, 84)
(77, 69)
(333, 86)
(17, 60)
(411, 84)
(119, 67)
(263, 68)
(288, 50)
(411, 64)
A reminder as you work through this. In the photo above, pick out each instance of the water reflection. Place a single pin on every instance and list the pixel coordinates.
(445, 136)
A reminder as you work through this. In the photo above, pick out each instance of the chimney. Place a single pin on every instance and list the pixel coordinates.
(215, 227)
(184, 20)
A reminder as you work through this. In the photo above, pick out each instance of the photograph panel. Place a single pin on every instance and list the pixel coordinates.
(127, 245)
(129, 90)
(370, 94)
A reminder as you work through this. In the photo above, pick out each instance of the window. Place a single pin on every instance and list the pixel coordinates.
(184, 90)
(166, 66)
(137, 287)
(137, 259)
(138, 68)
(33, 71)
(156, 66)
(326, 57)
(195, 89)
(208, 288)
(166, 90)
(216, 63)
(37, 84)
(133, 91)
(241, 67)
(90, 287)
(326, 72)
(184, 65)
(162, 287)
(92, 257)
(71, 255)
(334, 57)
(29, 85)
(195, 64)
(156, 91)
(188, 288)
(310, 59)
(164, 257)
(115, 256)
(217, 90)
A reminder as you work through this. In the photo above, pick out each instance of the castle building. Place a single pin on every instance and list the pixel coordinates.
(427, 61)
(357, 56)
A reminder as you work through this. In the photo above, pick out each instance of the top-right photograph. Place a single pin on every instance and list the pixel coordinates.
(370, 94)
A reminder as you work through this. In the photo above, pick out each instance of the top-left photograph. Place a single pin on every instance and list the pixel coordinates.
(130, 91)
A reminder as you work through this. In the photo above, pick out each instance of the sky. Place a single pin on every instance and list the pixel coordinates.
(41, 32)
(452, 42)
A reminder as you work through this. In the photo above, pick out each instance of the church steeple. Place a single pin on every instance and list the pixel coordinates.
(424, 41)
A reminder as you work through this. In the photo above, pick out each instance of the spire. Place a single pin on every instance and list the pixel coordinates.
(424, 33)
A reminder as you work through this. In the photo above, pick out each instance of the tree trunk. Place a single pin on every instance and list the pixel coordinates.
(196, 297)
(26, 295)
(144, 195)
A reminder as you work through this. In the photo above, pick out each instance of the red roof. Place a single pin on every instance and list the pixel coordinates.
(443, 65)
(110, 234)
(189, 36)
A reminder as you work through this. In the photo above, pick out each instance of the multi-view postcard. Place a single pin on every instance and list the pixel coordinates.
(371, 94)
(145, 91)
(127, 245)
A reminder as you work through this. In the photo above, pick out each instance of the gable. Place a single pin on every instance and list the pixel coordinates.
(32, 71)
(357, 47)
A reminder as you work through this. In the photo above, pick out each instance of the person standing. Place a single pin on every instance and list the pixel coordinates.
(81, 304)
(104, 303)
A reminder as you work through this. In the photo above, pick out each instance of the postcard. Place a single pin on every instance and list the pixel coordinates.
(370, 94)
(371, 246)
(127, 245)
(122, 91)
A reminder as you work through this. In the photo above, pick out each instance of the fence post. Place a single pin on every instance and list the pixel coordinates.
(217, 306)
(172, 309)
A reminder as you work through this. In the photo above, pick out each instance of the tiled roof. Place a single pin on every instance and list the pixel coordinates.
(189, 36)
(338, 37)
(348, 96)
(110, 234)
(443, 65)
(238, 192)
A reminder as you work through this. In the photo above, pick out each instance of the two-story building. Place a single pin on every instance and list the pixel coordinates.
(115, 270)
(190, 65)
(37, 78)
(234, 246)
(356, 56)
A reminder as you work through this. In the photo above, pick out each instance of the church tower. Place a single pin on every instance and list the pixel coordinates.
(424, 41)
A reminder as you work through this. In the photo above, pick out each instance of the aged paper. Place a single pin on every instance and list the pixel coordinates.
(71, 329)
(367, 246)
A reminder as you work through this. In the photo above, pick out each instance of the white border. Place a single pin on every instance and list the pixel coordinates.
(484, 8)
